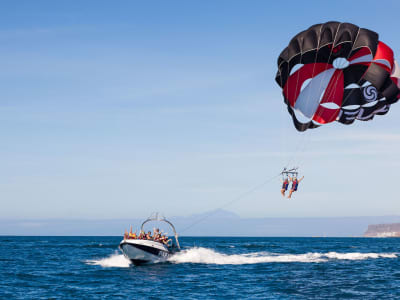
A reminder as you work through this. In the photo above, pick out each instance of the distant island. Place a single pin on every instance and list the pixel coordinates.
(383, 230)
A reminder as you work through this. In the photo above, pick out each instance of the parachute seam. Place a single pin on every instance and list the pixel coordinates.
(330, 54)
(358, 82)
(315, 60)
(348, 56)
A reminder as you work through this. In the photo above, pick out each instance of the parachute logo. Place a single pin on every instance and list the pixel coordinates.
(370, 93)
(337, 72)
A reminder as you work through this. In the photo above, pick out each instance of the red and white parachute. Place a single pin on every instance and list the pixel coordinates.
(337, 72)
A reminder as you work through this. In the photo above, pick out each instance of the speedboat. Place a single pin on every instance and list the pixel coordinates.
(141, 251)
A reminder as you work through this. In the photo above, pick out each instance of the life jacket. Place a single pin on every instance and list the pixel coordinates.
(295, 184)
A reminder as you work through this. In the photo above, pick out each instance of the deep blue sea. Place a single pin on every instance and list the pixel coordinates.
(208, 268)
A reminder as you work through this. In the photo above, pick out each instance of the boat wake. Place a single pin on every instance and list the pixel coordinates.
(201, 255)
(115, 260)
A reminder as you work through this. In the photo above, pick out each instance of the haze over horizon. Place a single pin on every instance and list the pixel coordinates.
(115, 110)
(212, 223)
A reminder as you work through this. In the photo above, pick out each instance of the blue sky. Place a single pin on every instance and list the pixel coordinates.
(118, 109)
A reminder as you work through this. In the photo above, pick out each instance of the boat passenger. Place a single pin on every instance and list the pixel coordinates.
(130, 232)
(157, 237)
(165, 240)
(148, 235)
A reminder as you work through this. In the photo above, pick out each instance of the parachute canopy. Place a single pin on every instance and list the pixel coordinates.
(337, 72)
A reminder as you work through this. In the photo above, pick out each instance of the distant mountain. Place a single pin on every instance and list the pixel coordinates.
(213, 223)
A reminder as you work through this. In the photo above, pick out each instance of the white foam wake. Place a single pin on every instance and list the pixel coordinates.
(209, 256)
(115, 260)
(358, 255)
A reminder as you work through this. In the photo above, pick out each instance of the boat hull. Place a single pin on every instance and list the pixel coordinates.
(141, 252)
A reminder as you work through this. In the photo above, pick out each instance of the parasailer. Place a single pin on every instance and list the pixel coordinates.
(285, 185)
(295, 184)
(287, 179)
(337, 72)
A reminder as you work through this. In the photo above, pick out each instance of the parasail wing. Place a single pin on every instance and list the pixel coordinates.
(337, 72)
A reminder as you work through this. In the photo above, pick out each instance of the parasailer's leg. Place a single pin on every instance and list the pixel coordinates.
(290, 193)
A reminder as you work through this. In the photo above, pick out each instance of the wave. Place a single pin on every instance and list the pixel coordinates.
(208, 256)
(115, 260)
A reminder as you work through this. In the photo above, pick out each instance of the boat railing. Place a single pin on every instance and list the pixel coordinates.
(160, 218)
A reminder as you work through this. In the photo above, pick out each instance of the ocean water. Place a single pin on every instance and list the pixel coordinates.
(208, 268)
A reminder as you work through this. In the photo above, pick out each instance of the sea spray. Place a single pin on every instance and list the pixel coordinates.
(208, 256)
(358, 255)
(200, 255)
(116, 260)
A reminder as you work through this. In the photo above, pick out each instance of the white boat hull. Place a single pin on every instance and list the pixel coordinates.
(144, 251)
